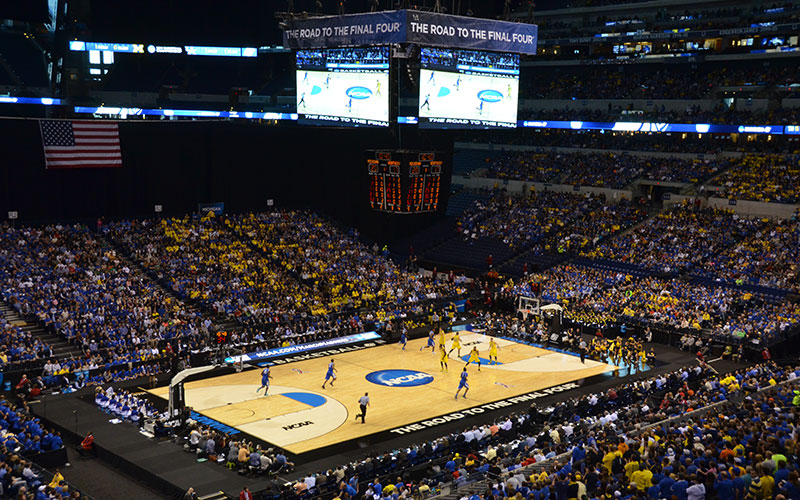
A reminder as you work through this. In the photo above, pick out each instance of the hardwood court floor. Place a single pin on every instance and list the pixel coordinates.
(300, 416)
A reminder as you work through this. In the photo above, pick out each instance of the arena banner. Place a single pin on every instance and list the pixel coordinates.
(218, 207)
(410, 26)
(443, 30)
(377, 28)
(697, 128)
(278, 352)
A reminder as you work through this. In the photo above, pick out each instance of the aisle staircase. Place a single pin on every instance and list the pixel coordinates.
(61, 348)
(463, 200)
(536, 260)
(471, 254)
(467, 161)
(423, 240)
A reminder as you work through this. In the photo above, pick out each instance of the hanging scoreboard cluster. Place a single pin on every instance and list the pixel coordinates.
(404, 182)
(424, 176)
(385, 192)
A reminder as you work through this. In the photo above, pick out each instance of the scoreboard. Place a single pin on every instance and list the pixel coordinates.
(404, 182)
(385, 189)
(424, 182)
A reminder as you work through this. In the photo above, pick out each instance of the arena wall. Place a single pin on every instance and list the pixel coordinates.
(522, 187)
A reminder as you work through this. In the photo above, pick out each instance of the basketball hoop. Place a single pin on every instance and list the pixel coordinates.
(528, 305)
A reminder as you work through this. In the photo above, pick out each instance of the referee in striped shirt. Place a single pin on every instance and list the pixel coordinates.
(363, 402)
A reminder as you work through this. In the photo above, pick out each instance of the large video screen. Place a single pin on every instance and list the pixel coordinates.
(345, 87)
(468, 89)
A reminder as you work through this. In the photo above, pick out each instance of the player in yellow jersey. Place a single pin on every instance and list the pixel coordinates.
(474, 358)
(442, 341)
(456, 345)
(443, 358)
(493, 348)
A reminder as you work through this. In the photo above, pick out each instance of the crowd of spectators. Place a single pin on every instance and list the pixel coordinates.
(705, 144)
(601, 298)
(631, 81)
(553, 221)
(23, 433)
(599, 169)
(617, 82)
(18, 345)
(730, 16)
(580, 290)
(126, 325)
(263, 271)
(679, 239)
(770, 257)
(340, 272)
(592, 169)
(23, 436)
(630, 352)
(202, 261)
(81, 289)
(768, 178)
(233, 451)
(69, 375)
(117, 374)
(742, 451)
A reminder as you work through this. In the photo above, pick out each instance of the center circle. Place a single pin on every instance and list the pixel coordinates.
(359, 92)
(400, 378)
(490, 96)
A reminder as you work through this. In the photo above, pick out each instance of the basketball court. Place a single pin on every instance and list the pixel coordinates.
(405, 386)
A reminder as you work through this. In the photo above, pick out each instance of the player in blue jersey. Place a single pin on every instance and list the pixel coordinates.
(430, 343)
(462, 384)
(427, 102)
(327, 81)
(404, 338)
(458, 83)
(265, 376)
(302, 100)
(305, 77)
(432, 79)
(330, 374)
(480, 108)
(349, 105)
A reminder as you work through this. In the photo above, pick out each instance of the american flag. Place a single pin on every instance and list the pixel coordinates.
(80, 144)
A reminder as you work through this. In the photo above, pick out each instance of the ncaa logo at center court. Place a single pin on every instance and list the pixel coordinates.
(490, 96)
(358, 92)
(400, 378)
